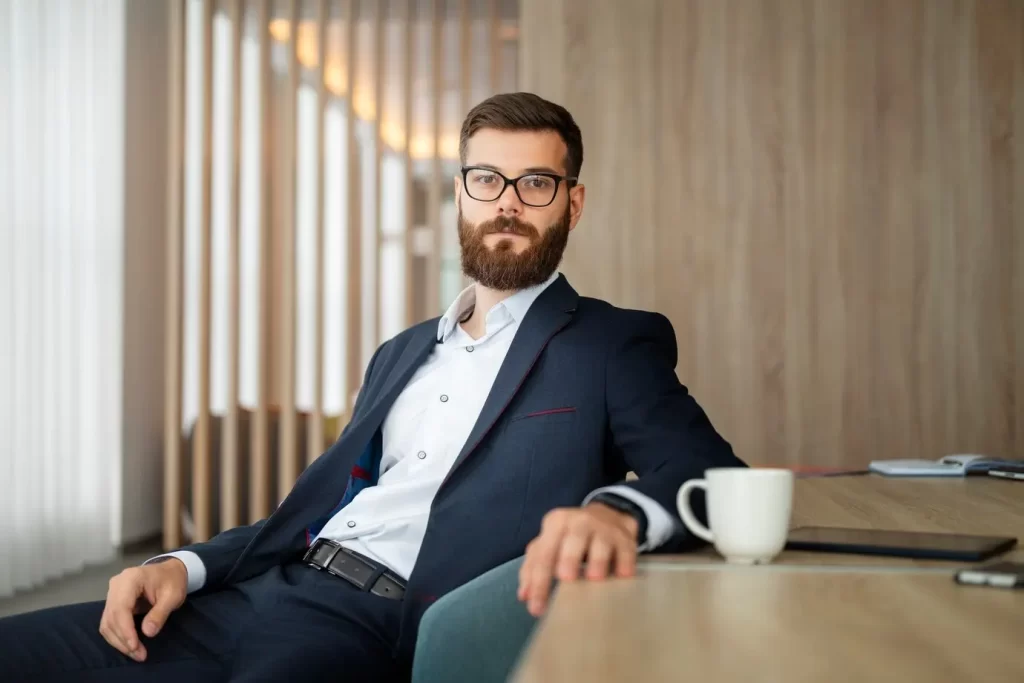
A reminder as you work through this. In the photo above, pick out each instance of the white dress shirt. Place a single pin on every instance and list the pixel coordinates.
(423, 434)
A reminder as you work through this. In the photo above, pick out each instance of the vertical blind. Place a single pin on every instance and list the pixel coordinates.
(61, 292)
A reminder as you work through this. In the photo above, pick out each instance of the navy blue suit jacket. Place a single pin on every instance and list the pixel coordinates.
(587, 393)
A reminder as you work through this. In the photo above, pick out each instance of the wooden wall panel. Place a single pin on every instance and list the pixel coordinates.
(825, 197)
(230, 510)
(1017, 220)
(288, 440)
(353, 233)
(315, 423)
(201, 456)
(173, 304)
(623, 236)
(259, 473)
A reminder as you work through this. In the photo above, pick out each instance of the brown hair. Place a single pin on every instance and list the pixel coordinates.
(525, 111)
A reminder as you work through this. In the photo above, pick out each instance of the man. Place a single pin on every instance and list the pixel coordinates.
(505, 427)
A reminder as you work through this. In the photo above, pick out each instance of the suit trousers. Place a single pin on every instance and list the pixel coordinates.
(291, 623)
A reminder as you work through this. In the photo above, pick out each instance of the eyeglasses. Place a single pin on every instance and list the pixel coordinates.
(533, 189)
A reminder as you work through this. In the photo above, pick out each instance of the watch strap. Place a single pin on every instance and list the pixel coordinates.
(623, 504)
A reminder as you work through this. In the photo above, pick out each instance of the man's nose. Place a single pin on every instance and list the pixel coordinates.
(508, 203)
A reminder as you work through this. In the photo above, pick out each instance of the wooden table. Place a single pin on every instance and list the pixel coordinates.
(808, 616)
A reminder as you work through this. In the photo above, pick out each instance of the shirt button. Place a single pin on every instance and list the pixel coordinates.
(351, 524)
(421, 455)
(444, 398)
(470, 349)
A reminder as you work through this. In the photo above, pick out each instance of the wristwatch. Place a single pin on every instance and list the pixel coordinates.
(623, 504)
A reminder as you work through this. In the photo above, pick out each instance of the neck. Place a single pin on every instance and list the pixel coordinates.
(486, 299)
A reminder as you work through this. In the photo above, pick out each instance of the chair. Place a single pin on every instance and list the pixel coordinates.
(475, 633)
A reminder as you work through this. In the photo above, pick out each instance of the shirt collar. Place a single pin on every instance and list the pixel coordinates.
(516, 305)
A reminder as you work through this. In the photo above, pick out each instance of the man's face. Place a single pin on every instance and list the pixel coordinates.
(507, 244)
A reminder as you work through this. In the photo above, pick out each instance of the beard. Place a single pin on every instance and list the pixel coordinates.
(501, 268)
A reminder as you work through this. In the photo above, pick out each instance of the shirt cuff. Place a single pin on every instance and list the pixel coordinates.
(195, 570)
(660, 525)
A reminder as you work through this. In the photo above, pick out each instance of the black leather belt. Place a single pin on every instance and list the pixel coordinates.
(359, 570)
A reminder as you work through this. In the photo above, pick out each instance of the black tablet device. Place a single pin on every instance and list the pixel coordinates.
(933, 546)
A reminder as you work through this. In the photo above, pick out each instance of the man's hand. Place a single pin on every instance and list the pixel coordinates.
(605, 537)
(158, 588)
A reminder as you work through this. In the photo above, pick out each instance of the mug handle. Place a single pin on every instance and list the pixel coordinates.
(690, 519)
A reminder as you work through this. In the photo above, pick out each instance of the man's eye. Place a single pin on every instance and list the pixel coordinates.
(484, 178)
(538, 182)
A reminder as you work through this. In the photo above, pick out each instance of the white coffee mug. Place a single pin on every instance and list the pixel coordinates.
(748, 511)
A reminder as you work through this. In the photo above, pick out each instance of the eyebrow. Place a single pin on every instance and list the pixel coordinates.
(532, 169)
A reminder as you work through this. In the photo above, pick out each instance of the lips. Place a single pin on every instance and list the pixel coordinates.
(509, 230)
(509, 226)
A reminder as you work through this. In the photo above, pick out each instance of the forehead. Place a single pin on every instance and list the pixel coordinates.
(513, 152)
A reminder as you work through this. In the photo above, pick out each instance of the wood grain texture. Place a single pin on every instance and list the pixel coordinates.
(1017, 217)
(259, 473)
(827, 200)
(172, 484)
(354, 235)
(378, 69)
(288, 453)
(409, 70)
(315, 425)
(201, 463)
(497, 45)
(434, 189)
(761, 624)
(807, 616)
(230, 510)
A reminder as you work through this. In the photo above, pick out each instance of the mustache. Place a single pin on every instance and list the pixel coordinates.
(508, 225)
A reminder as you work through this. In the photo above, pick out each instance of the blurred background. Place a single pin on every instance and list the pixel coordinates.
(215, 210)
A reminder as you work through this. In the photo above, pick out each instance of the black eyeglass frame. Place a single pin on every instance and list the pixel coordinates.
(570, 181)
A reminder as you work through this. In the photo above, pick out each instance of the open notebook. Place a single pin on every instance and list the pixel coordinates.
(948, 466)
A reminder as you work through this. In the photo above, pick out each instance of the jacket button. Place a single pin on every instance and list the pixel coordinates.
(469, 348)
(421, 455)
(351, 524)
(444, 398)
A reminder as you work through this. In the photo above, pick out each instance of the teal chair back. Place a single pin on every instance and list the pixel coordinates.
(476, 633)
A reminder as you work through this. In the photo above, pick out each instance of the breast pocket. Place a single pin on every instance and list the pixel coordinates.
(537, 436)
(549, 416)
(532, 433)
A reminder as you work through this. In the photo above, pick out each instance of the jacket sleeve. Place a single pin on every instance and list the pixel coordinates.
(220, 553)
(657, 428)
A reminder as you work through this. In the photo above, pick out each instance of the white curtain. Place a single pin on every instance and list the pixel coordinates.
(61, 241)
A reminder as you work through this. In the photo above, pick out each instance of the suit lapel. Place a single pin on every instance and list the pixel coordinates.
(413, 356)
(551, 312)
(328, 476)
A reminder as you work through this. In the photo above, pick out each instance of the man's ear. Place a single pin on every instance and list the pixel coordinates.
(457, 188)
(577, 195)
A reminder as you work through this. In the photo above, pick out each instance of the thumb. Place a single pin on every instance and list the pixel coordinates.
(157, 617)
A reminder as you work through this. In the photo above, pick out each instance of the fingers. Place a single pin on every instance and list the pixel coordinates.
(123, 626)
(524, 568)
(113, 630)
(542, 564)
(599, 558)
(157, 617)
(625, 556)
(615, 540)
(568, 538)
(117, 626)
(575, 544)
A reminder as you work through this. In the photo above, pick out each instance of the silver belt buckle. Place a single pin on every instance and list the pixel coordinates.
(311, 553)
